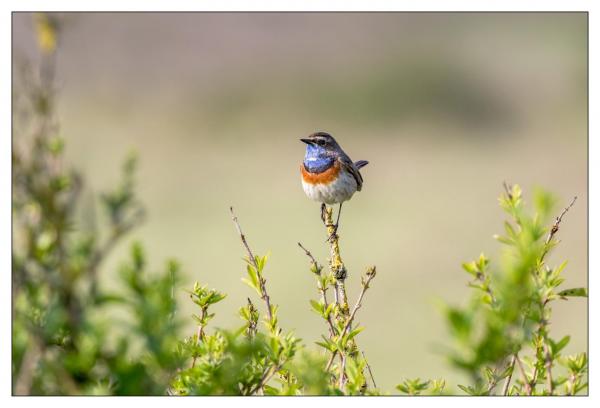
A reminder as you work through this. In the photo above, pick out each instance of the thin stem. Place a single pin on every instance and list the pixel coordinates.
(342, 372)
(553, 230)
(313, 261)
(555, 227)
(261, 280)
(199, 333)
(330, 362)
(265, 378)
(100, 254)
(369, 369)
(528, 389)
(509, 377)
(322, 290)
(571, 387)
(370, 275)
(548, 369)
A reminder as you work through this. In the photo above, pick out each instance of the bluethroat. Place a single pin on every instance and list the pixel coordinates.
(329, 176)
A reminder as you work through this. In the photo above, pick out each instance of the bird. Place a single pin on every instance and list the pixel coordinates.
(329, 176)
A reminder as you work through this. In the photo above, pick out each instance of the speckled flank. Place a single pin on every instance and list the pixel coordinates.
(330, 187)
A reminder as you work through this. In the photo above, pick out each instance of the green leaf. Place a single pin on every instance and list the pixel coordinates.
(556, 347)
(268, 390)
(470, 267)
(503, 240)
(328, 311)
(112, 298)
(327, 344)
(353, 333)
(317, 306)
(469, 390)
(575, 292)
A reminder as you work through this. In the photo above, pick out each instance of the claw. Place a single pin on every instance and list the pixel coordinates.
(333, 234)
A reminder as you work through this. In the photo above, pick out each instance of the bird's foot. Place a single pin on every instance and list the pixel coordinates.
(333, 234)
(323, 213)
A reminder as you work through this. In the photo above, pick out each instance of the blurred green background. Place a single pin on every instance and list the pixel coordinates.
(444, 106)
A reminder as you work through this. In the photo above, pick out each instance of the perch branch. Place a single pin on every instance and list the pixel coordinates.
(336, 264)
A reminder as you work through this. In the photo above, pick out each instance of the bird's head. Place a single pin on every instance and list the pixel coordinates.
(321, 143)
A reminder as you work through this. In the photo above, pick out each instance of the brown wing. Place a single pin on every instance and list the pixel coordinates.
(352, 169)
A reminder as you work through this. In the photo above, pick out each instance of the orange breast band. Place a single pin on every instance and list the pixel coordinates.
(326, 177)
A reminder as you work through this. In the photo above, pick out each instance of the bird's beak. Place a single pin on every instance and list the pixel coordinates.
(307, 141)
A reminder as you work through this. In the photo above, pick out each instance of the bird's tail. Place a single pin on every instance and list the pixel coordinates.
(361, 163)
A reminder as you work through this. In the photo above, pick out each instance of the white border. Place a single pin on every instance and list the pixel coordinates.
(265, 5)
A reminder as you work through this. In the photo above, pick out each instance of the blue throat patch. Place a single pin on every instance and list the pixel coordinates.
(316, 159)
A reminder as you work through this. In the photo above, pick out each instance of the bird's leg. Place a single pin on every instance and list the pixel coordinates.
(323, 210)
(337, 221)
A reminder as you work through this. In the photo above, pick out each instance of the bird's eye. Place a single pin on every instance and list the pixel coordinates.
(321, 142)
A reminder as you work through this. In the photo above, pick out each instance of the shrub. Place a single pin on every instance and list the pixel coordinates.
(63, 341)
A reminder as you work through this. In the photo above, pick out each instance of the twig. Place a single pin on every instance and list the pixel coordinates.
(261, 280)
(528, 389)
(553, 231)
(313, 261)
(548, 369)
(493, 382)
(100, 254)
(371, 272)
(265, 378)
(369, 368)
(251, 331)
(330, 362)
(370, 275)
(508, 378)
(555, 228)
(322, 289)
(342, 372)
(571, 386)
(199, 333)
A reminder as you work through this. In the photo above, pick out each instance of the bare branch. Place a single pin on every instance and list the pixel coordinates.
(322, 290)
(313, 261)
(548, 368)
(558, 220)
(507, 382)
(270, 372)
(528, 388)
(369, 368)
(330, 362)
(252, 259)
(199, 332)
(342, 372)
(371, 272)
(553, 231)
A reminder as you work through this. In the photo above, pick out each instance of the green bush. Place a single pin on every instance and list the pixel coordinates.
(65, 343)
(509, 310)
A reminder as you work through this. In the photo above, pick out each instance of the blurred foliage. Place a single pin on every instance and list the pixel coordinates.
(509, 310)
(394, 92)
(65, 343)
